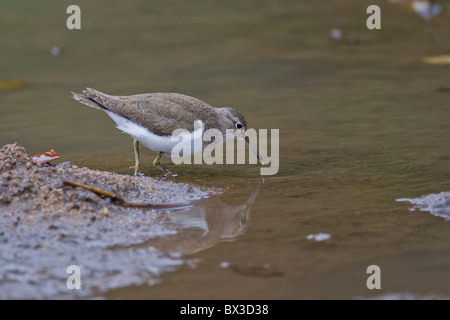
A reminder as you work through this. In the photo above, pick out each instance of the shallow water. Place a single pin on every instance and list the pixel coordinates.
(361, 125)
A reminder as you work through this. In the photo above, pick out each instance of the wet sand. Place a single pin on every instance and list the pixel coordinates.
(47, 226)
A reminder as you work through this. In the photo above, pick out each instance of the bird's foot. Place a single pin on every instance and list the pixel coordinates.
(169, 175)
(137, 171)
(157, 164)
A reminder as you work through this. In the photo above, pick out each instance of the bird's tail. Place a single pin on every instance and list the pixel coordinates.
(91, 98)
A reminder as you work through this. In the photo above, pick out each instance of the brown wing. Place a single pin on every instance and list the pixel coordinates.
(161, 112)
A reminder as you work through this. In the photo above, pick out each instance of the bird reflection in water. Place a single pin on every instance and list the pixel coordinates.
(206, 223)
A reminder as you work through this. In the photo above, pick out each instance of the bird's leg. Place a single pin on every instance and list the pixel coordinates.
(137, 165)
(158, 165)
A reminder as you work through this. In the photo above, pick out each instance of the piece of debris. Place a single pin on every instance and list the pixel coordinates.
(12, 84)
(319, 236)
(436, 204)
(440, 60)
(46, 157)
(116, 199)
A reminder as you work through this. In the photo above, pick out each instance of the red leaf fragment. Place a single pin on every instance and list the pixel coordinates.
(46, 157)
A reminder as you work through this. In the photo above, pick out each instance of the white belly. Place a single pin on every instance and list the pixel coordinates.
(154, 142)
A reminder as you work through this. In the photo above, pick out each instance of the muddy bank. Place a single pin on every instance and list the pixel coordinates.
(28, 187)
(47, 226)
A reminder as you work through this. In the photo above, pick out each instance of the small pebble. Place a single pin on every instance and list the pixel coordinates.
(105, 211)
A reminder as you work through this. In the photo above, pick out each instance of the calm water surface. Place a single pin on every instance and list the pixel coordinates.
(360, 126)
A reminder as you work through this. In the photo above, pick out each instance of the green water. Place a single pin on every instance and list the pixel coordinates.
(360, 126)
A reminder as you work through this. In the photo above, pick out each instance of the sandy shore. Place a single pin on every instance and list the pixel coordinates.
(47, 226)
(38, 189)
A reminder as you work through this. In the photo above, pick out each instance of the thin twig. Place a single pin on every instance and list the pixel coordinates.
(116, 199)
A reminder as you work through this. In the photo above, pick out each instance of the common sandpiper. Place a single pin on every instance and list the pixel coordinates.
(151, 119)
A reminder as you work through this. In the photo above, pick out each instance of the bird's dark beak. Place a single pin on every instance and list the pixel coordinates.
(254, 150)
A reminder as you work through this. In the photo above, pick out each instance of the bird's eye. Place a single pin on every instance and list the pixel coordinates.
(238, 125)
